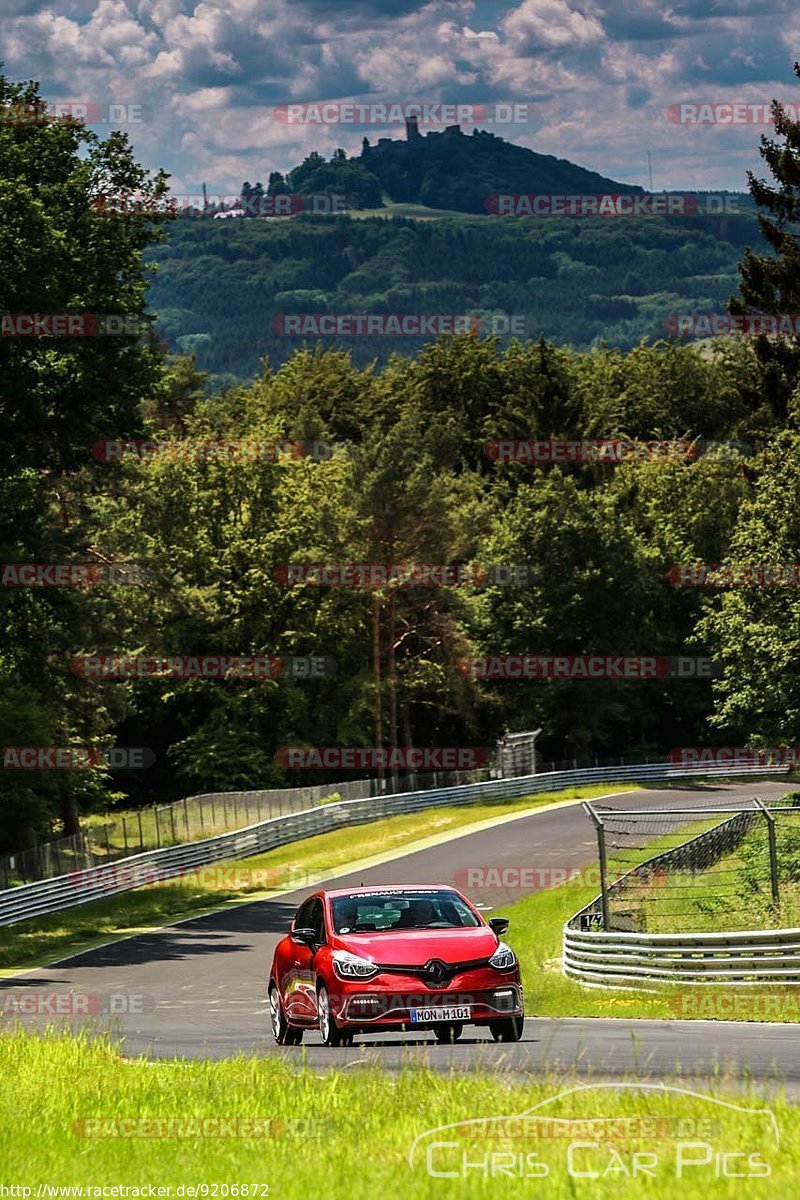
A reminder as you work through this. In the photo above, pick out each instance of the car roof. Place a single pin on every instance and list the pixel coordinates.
(383, 889)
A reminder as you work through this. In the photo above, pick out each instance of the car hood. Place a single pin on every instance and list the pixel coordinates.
(414, 947)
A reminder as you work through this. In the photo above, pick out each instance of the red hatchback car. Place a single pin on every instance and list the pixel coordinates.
(402, 959)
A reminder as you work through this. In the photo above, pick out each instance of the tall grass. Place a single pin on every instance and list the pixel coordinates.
(347, 1135)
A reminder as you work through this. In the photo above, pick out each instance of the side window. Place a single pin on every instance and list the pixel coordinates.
(303, 918)
(316, 920)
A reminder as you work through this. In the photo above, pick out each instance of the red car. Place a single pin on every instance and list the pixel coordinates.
(402, 959)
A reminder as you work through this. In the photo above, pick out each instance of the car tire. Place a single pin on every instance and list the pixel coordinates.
(448, 1032)
(507, 1030)
(329, 1031)
(284, 1033)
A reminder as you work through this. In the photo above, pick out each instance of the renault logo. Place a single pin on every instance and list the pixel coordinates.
(435, 971)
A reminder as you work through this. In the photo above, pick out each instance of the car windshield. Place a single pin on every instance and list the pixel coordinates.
(385, 912)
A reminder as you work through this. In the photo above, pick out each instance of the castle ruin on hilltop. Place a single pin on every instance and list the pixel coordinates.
(412, 135)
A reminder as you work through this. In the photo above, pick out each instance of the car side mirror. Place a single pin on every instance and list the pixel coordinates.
(305, 936)
(499, 925)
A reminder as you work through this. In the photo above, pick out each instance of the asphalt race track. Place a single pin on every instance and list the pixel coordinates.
(196, 989)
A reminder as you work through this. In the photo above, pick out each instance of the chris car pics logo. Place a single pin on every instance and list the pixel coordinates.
(615, 1132)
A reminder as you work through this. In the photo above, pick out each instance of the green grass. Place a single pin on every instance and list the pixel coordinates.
(734, 893)
(348, 1135)
(411, 209)
(294, 865)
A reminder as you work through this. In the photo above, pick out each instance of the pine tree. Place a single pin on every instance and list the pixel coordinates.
(770, 283)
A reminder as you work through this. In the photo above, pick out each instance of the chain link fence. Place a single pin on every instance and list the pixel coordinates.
(707, 868)
(110, 837)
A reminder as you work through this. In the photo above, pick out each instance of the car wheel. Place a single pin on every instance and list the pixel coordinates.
(448, 1033)
(284, 1033)
(507, 1030)
(330, 1032)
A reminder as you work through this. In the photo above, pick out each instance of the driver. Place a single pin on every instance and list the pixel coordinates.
(347, 917)
(424, 913)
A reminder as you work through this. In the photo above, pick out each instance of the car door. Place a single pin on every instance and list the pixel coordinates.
(289, 983)
(302, 1000)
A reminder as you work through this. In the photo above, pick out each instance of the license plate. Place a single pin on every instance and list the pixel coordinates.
(421, 1016)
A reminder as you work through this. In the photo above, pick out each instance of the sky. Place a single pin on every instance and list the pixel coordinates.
(203, 85)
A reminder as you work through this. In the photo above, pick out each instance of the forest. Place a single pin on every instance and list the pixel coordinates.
(190, 552)
(222, 287)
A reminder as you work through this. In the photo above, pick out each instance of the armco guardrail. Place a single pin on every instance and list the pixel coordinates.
(80, 887)
(626, 959)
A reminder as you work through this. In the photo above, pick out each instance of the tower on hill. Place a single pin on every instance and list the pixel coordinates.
(412, 129)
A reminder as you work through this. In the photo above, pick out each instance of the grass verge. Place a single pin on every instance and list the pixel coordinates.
(76, 1115)
(298, 864)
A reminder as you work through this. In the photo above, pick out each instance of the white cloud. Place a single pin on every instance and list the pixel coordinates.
(549, 24)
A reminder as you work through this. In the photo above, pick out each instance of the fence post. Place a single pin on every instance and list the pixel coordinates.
(773, 851)
(172, 824)
(601, 858)
(186, 818)
(141, 838)
(158, 828)
(125, 833)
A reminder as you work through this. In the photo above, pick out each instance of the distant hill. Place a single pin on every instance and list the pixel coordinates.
(446, 170)
(451, 170)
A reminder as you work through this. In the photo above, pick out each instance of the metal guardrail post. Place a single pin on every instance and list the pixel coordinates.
(601, 858)
(773, 850)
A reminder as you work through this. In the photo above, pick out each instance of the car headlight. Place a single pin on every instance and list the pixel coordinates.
(352, 966)
(503, 958)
